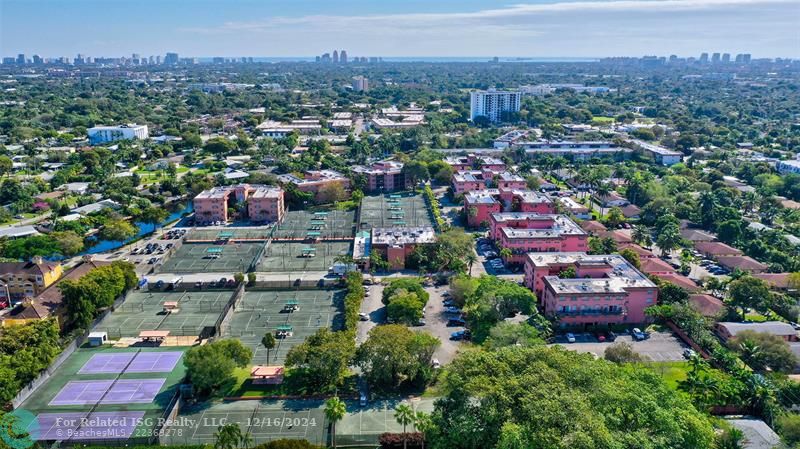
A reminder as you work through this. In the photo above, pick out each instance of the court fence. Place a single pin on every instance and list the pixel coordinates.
(26, 391)
(223, 322)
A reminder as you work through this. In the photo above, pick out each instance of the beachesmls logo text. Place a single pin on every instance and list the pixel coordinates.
(19, 429)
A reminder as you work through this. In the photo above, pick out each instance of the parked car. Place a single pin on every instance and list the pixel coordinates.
(637, 334)
(689, 353)
(362, 400)
(611, 336)
(601, 337)
(448, 303)
(435, 364)
(421, 322)
(452, 310)
(363, 317)
(461, 335)
(570, 337)
(453, 322)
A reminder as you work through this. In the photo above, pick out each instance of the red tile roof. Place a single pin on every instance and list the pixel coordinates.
(653, 265)
(717, 249)
(706, 304)
(743, 263)
(775, 280)
(680, 281)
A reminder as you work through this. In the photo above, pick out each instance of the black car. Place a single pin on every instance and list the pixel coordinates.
(452, 322)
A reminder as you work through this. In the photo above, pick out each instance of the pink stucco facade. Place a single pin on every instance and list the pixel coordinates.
(606, 289)
(383, 176)
(479, 205)
(264, 203)
(531, 232)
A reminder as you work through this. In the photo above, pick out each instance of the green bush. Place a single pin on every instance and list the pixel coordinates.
(352, 301)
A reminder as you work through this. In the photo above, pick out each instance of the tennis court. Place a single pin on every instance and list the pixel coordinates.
(195, 313)
(291, 257)
(147, 362)
(363, 425)
(264, 420)
(230, 257)
(123, 391)
(304, 225)
(75, 405)
(296, 312)
(393, 210)
(257, 234)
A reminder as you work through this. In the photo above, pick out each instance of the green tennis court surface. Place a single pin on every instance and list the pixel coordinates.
(197, 312)
(263, 420)
(231, 257)
(363, 425)
(259, 312)
(305, 256)
(234, 234)
(55, 413)
(394, 210)
(335, 224)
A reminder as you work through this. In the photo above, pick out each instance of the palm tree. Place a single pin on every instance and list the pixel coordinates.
(404, 415)
(268, 341)
(602, 191)
(334, 412)
(640, 233)
(230, 436)
(471, 259)
(750, 353)
(423, 424)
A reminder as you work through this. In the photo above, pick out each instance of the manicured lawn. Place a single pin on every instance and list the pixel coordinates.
(601, 120)
(672, 372)
(755, 317)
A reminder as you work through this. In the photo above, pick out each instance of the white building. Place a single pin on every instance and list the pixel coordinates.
(360, 84)
(661, 155)
(785, 167)
(104, 134)
(492, 103)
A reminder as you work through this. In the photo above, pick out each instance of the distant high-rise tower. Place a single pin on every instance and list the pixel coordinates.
(703, 58)
(171, 58)
(326, 58)
(38, 59)
(343, 57)
(360, 83)
(21, 58)
(746, 58)
(715, 58)
(726, 57)
(335, 57)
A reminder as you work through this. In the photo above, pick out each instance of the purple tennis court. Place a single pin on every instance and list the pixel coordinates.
(79, 426)
(145, 362)
(107, 363)
(124, 391)
(155, 362)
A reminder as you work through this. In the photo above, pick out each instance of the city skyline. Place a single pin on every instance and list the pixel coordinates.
(764, 28)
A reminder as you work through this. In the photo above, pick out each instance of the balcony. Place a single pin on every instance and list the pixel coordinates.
(602, 312)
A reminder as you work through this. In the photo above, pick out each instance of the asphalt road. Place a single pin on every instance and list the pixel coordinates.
(658, 347)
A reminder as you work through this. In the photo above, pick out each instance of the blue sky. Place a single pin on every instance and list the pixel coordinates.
(548, 28)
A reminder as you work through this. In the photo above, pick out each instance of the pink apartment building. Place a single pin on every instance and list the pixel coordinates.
(479, 204)
(469, 181)
(264, 203)
(607, 289)
(524, 232)
(475, 162)
(383, 176)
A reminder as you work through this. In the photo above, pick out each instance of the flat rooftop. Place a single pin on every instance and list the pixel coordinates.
(403, 236)
(620, 277)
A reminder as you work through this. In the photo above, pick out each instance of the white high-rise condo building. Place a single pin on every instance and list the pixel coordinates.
(104, 134)
(492, 103)
(360, 83)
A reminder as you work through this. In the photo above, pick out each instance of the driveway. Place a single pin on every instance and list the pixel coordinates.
(659, 347)
(436, 325)
(372, 306)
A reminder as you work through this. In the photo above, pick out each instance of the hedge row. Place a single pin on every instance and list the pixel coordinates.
(434, 205)
(353, 282)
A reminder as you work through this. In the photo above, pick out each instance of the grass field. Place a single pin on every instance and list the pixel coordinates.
(672, 372)
(601, 120)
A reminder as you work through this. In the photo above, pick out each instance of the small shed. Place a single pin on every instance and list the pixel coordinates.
(98, 338)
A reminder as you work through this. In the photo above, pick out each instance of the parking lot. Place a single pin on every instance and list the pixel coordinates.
(658, 347)
(435, 320)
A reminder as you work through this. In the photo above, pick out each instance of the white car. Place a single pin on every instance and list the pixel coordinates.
(571, 337)
(435, 363)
